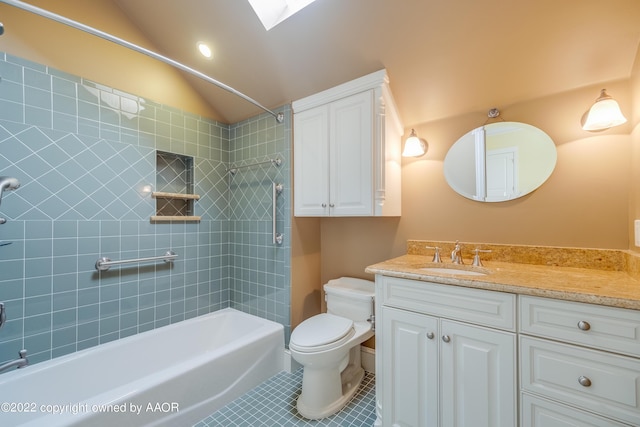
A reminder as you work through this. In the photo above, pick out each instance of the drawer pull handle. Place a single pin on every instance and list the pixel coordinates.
(431, 335)
(584, 381)
(584, 326)
(446, 338)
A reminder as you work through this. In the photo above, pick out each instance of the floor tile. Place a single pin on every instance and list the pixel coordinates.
(273, 402)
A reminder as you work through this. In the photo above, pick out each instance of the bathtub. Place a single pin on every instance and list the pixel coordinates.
(171, 376)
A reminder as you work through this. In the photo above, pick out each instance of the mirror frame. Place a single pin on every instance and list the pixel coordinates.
(488, 165)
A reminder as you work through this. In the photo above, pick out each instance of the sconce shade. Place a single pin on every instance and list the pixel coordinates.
(414, 146)
(604, 114)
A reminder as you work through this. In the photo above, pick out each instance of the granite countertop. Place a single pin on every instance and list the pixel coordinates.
(604, 287)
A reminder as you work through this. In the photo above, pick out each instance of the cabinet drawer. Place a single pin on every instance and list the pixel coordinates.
(604, 383)
(538, 412)
(488, 308)
(607, 328)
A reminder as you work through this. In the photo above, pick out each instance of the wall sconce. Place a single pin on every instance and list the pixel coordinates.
(414, 146)
(604, 114)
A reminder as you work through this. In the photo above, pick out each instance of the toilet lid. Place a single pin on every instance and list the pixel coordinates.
(320, 330)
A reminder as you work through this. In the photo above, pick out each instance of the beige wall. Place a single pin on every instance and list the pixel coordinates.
(634, 117)
(44, 41)
(585, 202)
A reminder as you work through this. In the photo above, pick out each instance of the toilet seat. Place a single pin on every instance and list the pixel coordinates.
(321, 332)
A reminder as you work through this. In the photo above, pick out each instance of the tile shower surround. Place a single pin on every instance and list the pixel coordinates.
(83, 153)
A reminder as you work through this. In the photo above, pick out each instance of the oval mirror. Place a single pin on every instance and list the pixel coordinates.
(500, 161)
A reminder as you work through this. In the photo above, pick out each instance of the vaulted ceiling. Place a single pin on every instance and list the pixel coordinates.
(444, 57)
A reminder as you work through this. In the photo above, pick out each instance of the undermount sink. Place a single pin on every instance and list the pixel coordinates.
(455, 271)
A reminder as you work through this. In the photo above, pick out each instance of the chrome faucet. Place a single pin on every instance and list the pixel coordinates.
(18, 363)
(456, 254)
(436, 254)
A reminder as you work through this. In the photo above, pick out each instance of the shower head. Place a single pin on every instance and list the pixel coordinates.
(8, 183)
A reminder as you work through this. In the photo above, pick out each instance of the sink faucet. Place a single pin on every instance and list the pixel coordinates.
(18, 363)
(456, 254)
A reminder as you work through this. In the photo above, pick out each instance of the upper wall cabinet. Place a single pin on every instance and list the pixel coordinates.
(347, 150)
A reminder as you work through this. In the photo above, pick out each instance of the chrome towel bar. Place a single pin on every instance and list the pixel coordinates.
(103, 264)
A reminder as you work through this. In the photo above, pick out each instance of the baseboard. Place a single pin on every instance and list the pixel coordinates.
(368, 359)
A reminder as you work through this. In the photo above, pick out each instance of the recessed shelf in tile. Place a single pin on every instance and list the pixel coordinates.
(174, 180)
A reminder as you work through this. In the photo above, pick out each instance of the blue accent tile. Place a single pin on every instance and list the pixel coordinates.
(11, 289)
(38, 343)
(34, 325)
(63, 337)
(87, 331)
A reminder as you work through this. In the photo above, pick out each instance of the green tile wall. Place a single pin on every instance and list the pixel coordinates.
(83, 153)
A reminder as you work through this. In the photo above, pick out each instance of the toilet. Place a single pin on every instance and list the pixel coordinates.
(328, 347)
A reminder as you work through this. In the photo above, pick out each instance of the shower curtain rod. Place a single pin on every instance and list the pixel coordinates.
(82, 27)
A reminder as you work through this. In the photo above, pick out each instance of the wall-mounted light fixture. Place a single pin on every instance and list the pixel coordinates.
(604, 114)
(414, 146)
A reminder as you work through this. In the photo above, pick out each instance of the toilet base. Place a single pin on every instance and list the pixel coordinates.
(325, 392)
(348, 390)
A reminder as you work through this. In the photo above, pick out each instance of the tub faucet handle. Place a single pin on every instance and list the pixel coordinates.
(477, 262)
(436, 254)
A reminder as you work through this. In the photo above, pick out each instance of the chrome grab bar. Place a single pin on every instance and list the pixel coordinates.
(277, 189)
(103, 264)
(276, 162)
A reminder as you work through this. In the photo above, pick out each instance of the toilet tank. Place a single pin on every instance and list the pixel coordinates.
(350, 297)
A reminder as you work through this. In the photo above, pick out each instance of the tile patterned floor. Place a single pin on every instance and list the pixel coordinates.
(272, 404)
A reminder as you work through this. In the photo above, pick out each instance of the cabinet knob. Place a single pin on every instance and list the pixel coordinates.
(324, 205)
(331, 205)
(446, 338)
(584, 381)
(431, 335)
(584, 326)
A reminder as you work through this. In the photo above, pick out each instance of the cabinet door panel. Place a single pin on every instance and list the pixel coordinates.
(351, 155)
(311, 162)
(478, 376)
(410, 395)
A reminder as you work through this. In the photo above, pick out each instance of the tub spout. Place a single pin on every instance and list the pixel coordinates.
(18, 363)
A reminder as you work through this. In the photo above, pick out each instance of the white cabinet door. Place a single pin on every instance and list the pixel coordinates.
(333, 158)
(410, 353)
(478, 376)
(311, 162)
(351, 155)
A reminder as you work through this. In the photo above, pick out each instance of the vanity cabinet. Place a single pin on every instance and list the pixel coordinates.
(448, 355)
(347, 151)
(580, 364)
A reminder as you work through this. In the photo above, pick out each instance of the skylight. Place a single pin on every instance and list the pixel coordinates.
(273, 12)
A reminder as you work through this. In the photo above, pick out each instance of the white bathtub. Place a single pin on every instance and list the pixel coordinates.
(171, 376)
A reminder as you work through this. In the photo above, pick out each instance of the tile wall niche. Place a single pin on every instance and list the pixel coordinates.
(84, 154)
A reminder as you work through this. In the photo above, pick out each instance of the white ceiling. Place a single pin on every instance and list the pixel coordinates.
(444, 57)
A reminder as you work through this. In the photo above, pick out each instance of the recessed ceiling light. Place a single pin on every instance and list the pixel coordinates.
(205, 50)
